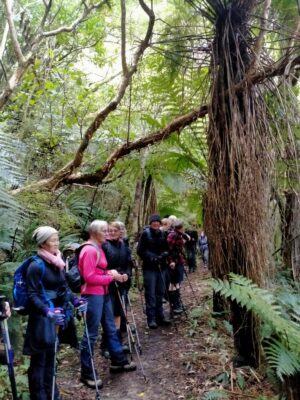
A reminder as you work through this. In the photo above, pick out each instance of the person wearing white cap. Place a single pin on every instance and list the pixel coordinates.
(48, 293)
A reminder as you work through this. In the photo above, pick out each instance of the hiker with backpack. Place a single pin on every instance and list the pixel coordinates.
(48, 296)
(176, 241)
(96, 279)
(152, 248)
(118, 257)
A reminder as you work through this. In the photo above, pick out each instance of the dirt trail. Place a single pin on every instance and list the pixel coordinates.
(167, 358)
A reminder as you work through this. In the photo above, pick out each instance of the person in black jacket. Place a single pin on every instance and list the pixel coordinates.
(49, 296)
(152, 248)
(118, 257)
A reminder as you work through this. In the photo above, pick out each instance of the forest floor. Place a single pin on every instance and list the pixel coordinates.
(186, 361)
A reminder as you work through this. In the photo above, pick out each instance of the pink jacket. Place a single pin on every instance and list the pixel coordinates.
(96, 279)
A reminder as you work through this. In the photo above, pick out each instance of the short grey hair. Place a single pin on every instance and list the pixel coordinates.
(97, 225)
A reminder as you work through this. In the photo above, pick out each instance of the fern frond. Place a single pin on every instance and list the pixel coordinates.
(215, 395)
(281, 359)
(284, 354)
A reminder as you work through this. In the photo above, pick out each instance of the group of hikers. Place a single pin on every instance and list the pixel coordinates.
(104, 263)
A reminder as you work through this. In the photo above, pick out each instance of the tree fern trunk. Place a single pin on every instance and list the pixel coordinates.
(291, 387)
(238, 188)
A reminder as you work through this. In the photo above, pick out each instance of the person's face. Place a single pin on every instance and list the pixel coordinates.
(101, 236)
(114, 233)
(155, 225)
(122, 232)
(165, 225)
(52, 244)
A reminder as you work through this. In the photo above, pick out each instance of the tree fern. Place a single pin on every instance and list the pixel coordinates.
(282, 336)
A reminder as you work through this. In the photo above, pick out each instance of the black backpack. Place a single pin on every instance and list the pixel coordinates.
(74, 279)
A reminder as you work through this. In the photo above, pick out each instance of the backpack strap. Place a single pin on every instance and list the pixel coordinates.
(97, 249)
(41, 264)
(149, 235)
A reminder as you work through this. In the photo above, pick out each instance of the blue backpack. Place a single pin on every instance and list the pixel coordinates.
(20, 292)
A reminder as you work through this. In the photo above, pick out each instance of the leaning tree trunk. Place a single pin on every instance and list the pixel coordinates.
(144, 204)
(149, 200)
(134, 223)
(238, 188)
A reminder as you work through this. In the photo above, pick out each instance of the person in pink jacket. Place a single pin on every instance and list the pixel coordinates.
(96, 278)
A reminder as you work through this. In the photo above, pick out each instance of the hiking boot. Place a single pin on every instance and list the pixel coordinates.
(89, 381)
(126, 348)
(120, 367)
(152, 325)
(177, 310)
(105, 354)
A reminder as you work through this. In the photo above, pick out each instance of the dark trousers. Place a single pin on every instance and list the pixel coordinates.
(40, 376)
(155, 286)
(191, 259)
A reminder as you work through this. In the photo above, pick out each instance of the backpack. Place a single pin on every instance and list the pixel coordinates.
(20, 292)
(74, 279)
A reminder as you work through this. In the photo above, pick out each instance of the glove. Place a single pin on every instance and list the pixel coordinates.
(57, 314)
(80, 304)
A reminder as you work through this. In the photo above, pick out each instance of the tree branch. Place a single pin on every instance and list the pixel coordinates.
(67, 170)
(174, 126)
(293, 37)
(46, 13)
(123, 38)
(13, 81)
(25, 62)
(86, 12)
(12, 30)
(260, 40)
(4, 40)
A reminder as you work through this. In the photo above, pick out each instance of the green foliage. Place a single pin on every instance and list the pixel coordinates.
(280, 336)
(240, 380)
(215, 395)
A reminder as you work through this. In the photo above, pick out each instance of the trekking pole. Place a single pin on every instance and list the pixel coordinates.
(134, 324)
(131, 335)
(127, 326)
(192, 289)
(9, 354)
(91, 356)
(55, 363)
(138, 284)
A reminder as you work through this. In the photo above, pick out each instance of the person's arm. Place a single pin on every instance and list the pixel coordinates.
(128, 268)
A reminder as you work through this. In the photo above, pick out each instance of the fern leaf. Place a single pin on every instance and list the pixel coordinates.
(215, 395)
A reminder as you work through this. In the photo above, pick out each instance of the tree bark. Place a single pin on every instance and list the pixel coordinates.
(134, 223)
(238, 187)
(291, 248)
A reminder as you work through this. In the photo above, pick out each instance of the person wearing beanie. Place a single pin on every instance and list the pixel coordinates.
(49, 302)
(152, 248)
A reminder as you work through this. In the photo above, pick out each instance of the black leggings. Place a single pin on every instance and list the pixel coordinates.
(40, 376)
